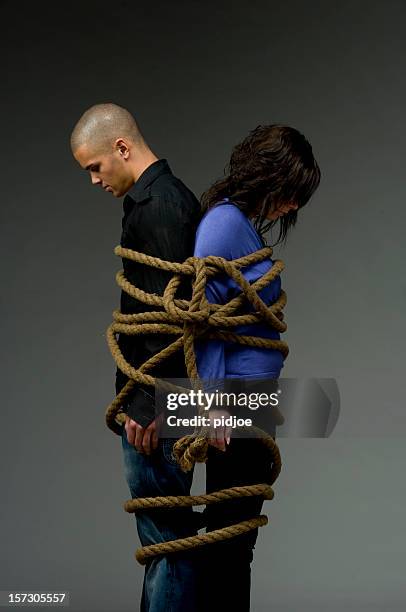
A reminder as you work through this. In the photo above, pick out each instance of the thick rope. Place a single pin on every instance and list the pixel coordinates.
(144, 553)
(173, 501)
(187, 321)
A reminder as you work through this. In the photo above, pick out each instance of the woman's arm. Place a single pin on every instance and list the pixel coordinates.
(220, 231)
(217, 231)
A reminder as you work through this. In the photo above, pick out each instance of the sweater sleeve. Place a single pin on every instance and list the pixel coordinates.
(217, 234)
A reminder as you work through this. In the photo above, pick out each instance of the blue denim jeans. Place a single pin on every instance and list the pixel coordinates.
(170, 581)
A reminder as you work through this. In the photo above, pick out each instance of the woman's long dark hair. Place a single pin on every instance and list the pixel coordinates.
(272, 166)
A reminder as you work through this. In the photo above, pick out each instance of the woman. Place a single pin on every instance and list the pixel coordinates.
(272, 174)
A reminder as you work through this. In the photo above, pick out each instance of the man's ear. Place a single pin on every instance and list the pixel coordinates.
(122, 148)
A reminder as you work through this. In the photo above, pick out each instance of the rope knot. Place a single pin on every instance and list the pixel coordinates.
(199, 308)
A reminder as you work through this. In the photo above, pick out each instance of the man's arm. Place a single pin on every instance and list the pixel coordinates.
(168, 232)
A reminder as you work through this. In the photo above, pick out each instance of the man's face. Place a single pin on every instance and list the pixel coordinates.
(109, 170)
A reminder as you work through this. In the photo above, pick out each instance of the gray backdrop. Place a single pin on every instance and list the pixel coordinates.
(198, 76)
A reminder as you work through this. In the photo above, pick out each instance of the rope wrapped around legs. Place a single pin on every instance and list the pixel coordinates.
(186, 321)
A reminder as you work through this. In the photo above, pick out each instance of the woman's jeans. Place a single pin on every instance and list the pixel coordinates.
(211, 577)
(225, 567)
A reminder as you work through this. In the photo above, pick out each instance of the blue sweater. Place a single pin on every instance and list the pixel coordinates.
(227, 232)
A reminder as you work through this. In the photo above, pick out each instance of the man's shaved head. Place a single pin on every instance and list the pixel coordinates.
(107, 143)
(100, 126)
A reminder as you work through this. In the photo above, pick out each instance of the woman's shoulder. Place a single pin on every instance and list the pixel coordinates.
(219, 229)
(225, 211)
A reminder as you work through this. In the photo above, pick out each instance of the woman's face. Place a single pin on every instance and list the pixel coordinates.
(281, 209)
(277, 210)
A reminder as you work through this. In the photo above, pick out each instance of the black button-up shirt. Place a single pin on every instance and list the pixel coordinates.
(160, 219)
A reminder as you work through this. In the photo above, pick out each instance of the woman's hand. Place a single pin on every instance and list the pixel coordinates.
(219, 436)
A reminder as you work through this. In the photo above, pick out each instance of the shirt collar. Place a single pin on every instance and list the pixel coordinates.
(141, 190)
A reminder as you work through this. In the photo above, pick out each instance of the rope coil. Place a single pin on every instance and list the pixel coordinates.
(186, 321)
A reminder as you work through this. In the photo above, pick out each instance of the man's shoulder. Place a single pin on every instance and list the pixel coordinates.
(166, 200)
(170, 188)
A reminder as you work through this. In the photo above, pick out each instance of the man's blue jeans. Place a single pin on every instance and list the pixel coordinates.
(170, 581)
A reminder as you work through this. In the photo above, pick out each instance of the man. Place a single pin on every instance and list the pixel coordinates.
(160, 219)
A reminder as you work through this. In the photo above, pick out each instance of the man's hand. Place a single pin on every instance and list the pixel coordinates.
(145, 439)
(219, 436)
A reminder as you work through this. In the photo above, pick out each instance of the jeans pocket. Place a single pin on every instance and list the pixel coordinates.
(167, 447)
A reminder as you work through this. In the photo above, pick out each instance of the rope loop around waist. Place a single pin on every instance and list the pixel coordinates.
(187, 320)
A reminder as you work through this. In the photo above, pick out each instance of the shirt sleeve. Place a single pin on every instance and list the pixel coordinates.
(168, 231)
